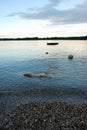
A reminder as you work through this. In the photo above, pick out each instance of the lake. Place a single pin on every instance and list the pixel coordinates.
(66, 79)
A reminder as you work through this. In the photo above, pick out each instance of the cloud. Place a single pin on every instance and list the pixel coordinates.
(51, 13)
(15, 14)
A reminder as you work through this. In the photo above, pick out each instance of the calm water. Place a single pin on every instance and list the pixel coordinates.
(66, 79)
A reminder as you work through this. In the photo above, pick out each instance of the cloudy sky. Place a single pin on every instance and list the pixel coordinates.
(43, 18)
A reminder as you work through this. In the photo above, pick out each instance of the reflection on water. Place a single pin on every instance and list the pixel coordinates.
(66, 79)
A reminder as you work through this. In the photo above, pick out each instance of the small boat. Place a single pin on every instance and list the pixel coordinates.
(52, 43)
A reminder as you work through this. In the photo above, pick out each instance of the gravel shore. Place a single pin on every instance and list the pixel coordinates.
(46, 116)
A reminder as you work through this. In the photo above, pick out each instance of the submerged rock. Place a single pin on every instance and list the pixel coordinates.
(41, 75)
(28, 74)
(70, 56)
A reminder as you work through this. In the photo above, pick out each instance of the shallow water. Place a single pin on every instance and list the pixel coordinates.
(66, 79)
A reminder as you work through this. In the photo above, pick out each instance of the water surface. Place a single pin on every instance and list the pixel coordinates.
(66, 79)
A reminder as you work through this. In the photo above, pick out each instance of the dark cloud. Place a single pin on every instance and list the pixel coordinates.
(56, 16)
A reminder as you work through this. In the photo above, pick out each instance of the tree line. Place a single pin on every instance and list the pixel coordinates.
(45, 38)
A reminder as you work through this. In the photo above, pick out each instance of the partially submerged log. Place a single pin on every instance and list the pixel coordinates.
(52, 43)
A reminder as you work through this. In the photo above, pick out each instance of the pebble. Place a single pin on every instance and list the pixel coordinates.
(46, 116)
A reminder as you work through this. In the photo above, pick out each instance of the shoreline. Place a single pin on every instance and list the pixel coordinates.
(44, 38)
(46, 116)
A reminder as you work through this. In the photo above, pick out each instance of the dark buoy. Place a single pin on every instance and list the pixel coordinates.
(70, 56)
(46, 52)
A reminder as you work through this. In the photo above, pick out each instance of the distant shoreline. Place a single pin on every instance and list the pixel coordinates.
(45, 38)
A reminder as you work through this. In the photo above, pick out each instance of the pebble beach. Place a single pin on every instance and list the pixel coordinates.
(46, 116)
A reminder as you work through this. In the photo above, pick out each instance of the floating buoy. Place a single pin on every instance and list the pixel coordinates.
(46, 52)
(52, 43)
(70, 56)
